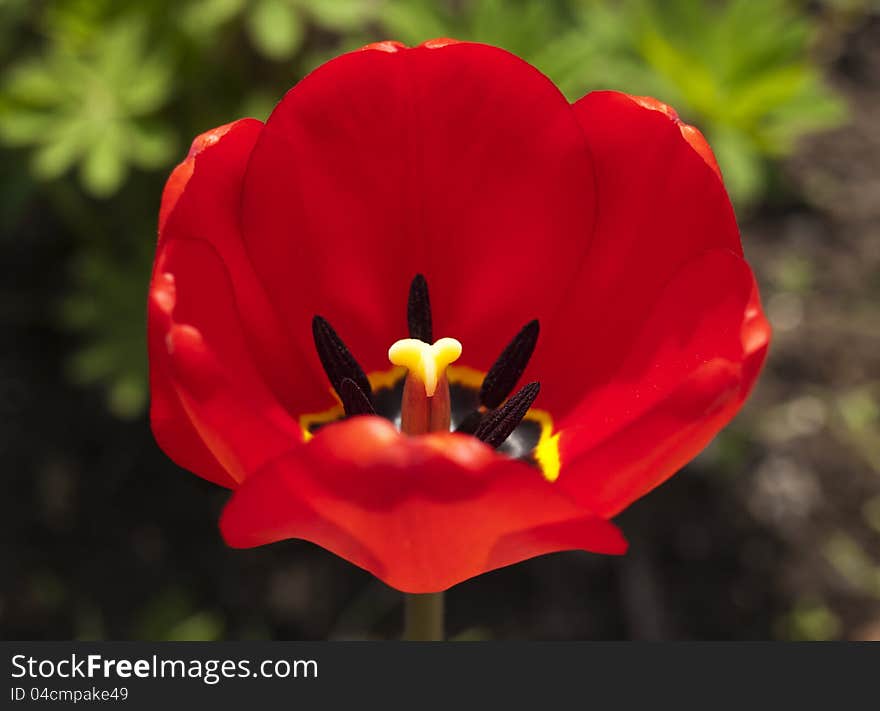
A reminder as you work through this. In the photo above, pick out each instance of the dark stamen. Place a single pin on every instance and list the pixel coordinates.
(354, 400)
(497, 425)
(506, 371)
(337, 360)
(418, 310)
(470, 423)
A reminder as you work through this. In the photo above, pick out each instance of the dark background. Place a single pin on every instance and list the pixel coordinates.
(773, 532)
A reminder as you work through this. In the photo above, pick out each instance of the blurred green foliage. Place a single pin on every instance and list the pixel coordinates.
(853, 563)
(106, 305)
(89, 101)
(278, 28)
(98, 98)
(810, 621)
(171, 617)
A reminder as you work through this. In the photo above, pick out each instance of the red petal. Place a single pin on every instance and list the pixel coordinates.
(456, 160)
(180, 176)
(209, 366)
(687, 375)
(421, 513)
(171, 425)
(690, 133)
(199, 225)
(240, 427)
(209, 211)
(662, 203)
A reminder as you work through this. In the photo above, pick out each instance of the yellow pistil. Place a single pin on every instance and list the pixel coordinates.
(425, 406)
(425, 361)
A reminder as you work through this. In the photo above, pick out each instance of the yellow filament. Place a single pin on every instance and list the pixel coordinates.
(425, 361)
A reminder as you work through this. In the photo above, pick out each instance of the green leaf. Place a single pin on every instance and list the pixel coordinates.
(127, 396)
(148, 88)
(23, 127)
(343, 15)
(766, 92)
(106, 309)
(275, 28)
(740, 163)
(90, 102)
(119, 53)
(171, 616)
(814, 108)
(809, 621)
(104, 166)
(32, 83)
(63, 144)
(695, 81)
(414, 21)
(203, 17)
(202, 626)
(258, 105)
(150, 146)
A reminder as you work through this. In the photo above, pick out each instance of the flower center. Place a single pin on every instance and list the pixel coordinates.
(426, 393)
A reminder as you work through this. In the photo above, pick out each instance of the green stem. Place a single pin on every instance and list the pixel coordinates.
(424, 617)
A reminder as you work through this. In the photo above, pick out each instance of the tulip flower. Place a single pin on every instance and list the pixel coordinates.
(436, 319)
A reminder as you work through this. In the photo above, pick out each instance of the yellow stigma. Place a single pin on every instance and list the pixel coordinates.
(425, 361)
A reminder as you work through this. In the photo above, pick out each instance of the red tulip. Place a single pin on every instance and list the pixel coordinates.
(606, 221)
